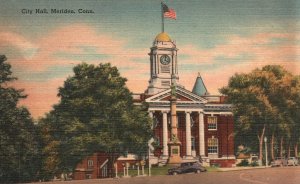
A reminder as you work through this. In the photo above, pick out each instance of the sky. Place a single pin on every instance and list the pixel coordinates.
(216, 38)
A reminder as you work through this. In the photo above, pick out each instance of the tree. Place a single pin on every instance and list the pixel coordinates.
(285, 95)
(18, 141)
(264, 105)
(95, 113)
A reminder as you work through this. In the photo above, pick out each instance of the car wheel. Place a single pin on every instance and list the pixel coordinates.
(174, 173)
(198, 171)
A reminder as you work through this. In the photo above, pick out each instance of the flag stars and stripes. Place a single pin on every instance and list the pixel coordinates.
(168, 12)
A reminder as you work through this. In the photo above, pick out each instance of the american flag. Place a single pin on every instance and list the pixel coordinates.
(168, 12)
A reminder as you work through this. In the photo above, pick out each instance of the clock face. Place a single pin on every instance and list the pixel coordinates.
(165, 59)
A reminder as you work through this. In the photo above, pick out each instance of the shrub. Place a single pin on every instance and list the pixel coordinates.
(243, 163)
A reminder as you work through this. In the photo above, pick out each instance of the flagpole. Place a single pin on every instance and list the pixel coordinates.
(162, 18)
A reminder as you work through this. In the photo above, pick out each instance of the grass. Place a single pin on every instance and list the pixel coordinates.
(212, 169)
(160, 170)
(156, 171)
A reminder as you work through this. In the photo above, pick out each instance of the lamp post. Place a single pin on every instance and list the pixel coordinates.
(150, 148)
(266, 149)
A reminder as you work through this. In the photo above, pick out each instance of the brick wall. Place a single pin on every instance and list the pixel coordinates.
(223, 162)
(82, 170)
(224, 133)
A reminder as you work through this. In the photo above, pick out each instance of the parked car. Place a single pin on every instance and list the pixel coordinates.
(187, 167)
(293, 161)
(279, 161)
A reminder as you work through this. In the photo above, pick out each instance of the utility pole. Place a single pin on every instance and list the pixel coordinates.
(266, 149)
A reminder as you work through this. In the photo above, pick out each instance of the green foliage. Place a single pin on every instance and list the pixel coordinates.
(266, 98)
(243, 163)
(254, 164)
(18, 139)
(95, 113)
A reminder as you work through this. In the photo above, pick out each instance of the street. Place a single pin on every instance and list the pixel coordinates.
(279, 175)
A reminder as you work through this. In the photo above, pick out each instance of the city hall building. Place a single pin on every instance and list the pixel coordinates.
(203, 122)
(187, 125)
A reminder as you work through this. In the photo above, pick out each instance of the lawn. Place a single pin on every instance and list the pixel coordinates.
(155, 171)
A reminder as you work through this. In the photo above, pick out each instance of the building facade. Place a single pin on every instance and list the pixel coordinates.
(204, 123)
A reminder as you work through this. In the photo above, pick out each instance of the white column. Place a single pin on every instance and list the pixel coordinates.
(201, 134)
(151, 117)
(152, 139)
(188, 133)
(156, 65)
(165, 134)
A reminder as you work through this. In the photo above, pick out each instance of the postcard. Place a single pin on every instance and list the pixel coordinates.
(131, 89)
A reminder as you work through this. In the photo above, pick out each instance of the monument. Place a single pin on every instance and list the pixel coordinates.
(174, 143)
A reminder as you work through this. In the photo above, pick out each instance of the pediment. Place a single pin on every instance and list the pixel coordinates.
(182, 95)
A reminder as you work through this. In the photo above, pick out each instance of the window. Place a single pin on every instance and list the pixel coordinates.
(212, 145)
(193, 143)
(165, 83)
(104, 171)
(165, 69)
(212, 122)
(90, 163)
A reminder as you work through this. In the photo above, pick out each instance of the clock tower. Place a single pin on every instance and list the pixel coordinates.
(163, 64)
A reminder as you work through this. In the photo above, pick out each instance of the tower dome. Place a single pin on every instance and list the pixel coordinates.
(163, 37)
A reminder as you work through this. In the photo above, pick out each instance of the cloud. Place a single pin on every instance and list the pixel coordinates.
(72, 40)
(45, 62)
(52, 57)
(27, 48)
(240, 54)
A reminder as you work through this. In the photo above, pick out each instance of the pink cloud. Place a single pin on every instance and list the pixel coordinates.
(16, 40)
(70, 39)
(259, 47)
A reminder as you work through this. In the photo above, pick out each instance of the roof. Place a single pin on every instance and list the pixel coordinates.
(184, 96)
(199, 87)
(163, 37)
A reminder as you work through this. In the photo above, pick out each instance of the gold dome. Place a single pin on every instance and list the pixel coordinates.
(163, 37)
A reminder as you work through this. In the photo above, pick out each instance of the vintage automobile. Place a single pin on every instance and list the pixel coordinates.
(293, 161)
(279, 161)
(187, 167)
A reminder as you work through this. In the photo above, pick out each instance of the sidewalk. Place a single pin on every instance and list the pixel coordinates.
(241, 168)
